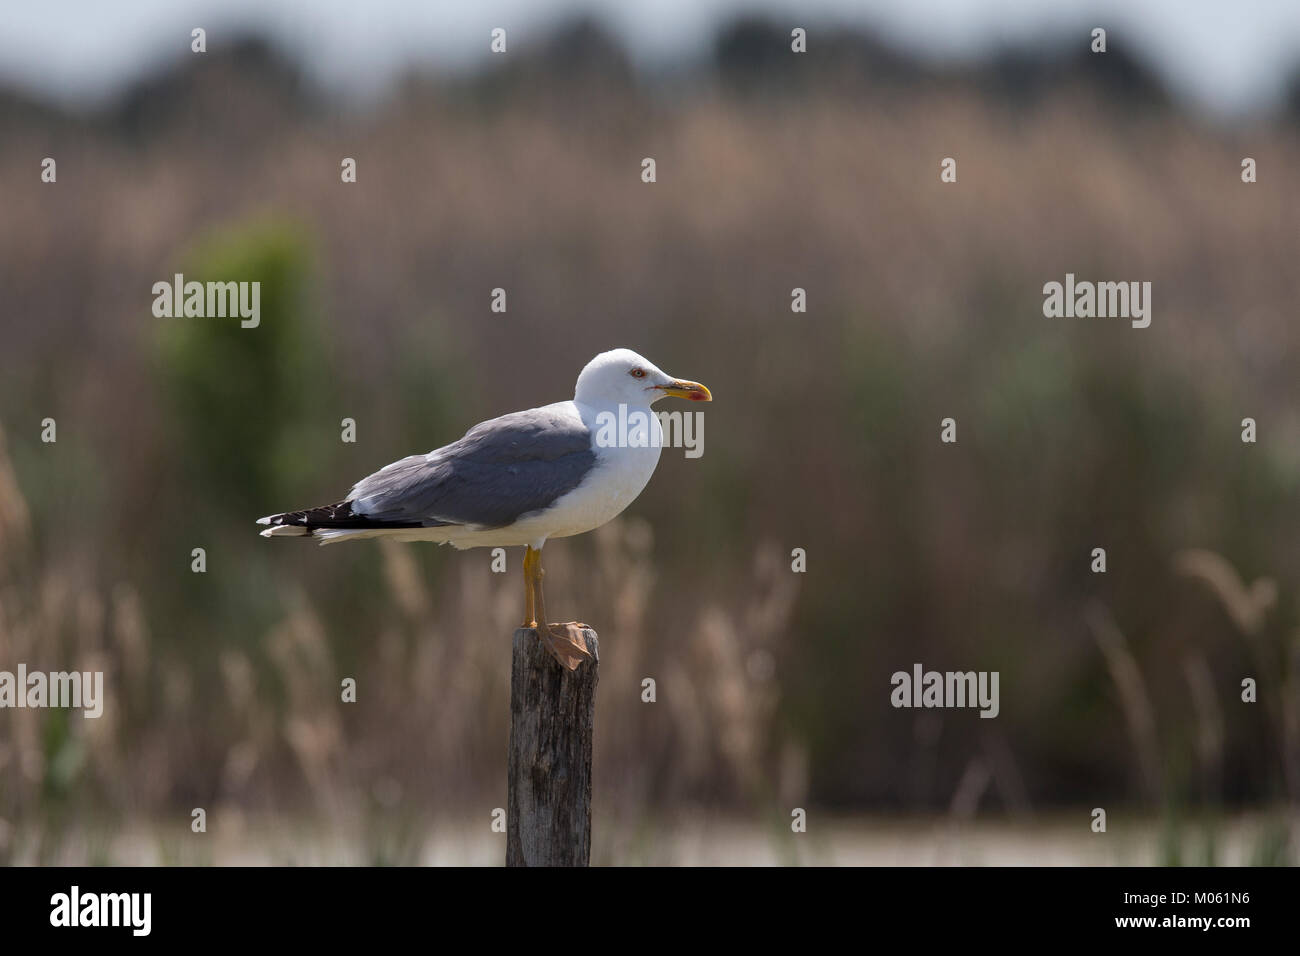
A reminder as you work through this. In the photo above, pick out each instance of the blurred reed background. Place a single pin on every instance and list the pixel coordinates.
(1118, 690)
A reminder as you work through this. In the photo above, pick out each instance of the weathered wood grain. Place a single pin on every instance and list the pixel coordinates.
(552, 720)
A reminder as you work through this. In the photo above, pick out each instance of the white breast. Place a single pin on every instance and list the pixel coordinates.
(621, 473)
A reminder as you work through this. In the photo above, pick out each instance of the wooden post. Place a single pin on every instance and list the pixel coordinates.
(552, 718)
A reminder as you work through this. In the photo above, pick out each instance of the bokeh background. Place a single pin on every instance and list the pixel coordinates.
(821, 171)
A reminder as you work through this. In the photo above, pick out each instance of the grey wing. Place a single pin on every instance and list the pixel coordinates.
(501, 469)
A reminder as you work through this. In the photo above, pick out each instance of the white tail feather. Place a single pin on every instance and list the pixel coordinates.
(285, 530)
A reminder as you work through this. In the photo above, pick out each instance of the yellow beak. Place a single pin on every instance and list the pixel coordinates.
(692, 391)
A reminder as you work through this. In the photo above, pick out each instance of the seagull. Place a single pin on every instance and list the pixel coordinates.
(520, 479)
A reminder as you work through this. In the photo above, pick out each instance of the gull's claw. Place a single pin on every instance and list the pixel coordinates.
(566, 643)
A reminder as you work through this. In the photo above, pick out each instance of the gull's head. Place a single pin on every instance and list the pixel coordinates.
(623, 377)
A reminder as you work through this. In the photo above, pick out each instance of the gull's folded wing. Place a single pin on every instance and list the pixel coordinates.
(501, 469)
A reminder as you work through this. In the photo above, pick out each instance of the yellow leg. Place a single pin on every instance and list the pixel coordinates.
(530, 607)
(539, 601)
(565, 641)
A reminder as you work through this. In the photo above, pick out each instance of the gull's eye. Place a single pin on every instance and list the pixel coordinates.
(637, 373)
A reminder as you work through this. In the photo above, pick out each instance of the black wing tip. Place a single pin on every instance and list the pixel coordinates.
(336, 516)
